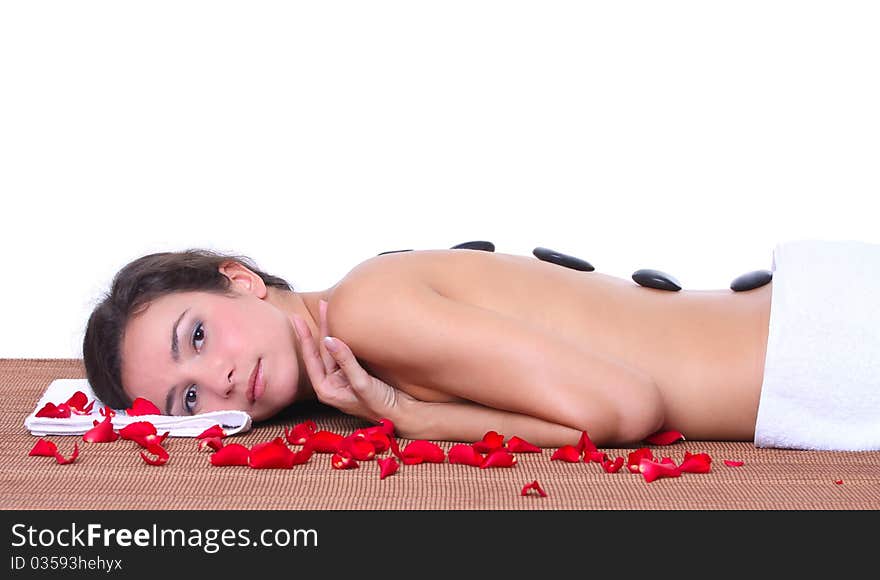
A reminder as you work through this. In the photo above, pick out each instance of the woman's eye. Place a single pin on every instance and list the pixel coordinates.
(189, 399)
(198, 335)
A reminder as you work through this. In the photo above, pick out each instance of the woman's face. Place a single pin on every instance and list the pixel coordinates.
(194, 352)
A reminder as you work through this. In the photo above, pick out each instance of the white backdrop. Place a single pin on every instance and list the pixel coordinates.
(684, 136)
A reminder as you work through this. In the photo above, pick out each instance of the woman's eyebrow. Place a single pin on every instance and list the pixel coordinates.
(175, 350)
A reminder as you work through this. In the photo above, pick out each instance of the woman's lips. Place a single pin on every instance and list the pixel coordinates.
(255, 384)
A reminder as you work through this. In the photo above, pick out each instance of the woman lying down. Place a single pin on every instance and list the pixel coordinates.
(450, 344)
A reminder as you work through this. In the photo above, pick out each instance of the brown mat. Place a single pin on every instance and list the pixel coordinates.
(113, 476)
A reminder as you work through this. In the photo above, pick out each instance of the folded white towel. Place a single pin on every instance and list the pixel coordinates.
(60, 390)
(821, 387)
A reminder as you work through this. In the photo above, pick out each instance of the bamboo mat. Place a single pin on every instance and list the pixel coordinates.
(113, 476)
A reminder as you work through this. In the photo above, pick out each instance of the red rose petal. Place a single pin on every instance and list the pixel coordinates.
(595, 456)
(380, 441)
(838, 481)
(568, 453)
(490, 442)
(231, 454)
(585, 444)
(633, 459)
(215, 443)
(464, 454)
(360, 449)
(421, 450)
(271, 455)
(387, 466)
(212, 431)
(534, 486)
(612, 466)
(62, 461)
(302, 456)
(733, 463)
(102, 432)
(518, 445)
(142, 406)
(78, 403)
(43, 448)
(664, 438)
(654, 470)
(387, 427)
(343, 460)
(699, 463)
(53, 411)
(159, 451)
(300, 432)
(499, 458)
(324, 442)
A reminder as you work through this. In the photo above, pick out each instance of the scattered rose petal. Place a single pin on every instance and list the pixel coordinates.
(78, 403)
(664, 438)
(271, 455)
(464, 454)
(585, 445)
(343, 460)
(420, 451)
(62, 461)
(143, 433)
(698, 463)
(667, 460)
(534, 486)
(231, 454)
(43, 448)
(324, 442)
(215, 443)
(838, 481)
(212, 431)
(490, 442)
(302, 456)
(159, 451)
(300, 432)
(568, 453)
(102, 432)
(387, 466)
(387, 427)
(53, 411)
(733, 463)
(518, 445)
(654, 470)
(595, 456)
(612, 466)
(379, 439)
(358, 448)
(142, 406)
(499, 458)
(633, 459)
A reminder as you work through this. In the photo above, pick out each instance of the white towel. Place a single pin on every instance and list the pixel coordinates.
(60, 390)
(821, 387)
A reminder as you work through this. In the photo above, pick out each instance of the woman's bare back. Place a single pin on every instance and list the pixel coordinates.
(705, 349)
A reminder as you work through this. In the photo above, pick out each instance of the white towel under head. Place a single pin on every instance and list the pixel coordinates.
(821, 387)
(60, 390)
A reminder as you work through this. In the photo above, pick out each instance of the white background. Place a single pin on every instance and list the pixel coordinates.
(689, 137)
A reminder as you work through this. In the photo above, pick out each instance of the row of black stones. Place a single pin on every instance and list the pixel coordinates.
(644, 277)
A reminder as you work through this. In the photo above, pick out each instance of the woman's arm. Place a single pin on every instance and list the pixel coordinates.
(468, 422)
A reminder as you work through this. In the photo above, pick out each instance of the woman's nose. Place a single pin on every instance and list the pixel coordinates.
(220, 380)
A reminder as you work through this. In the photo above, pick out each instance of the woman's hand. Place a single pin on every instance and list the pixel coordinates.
(340, 381)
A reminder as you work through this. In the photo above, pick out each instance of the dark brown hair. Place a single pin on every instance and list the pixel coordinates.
(133, 288)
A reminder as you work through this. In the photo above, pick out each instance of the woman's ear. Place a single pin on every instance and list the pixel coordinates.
(243, 279)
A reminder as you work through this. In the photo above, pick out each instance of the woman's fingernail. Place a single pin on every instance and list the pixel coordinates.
(331, 344)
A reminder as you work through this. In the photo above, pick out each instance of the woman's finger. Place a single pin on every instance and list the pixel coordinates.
(358, 378)
(329, 362)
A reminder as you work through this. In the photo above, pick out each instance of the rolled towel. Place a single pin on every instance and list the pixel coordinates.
(821, 387)
(60, 390)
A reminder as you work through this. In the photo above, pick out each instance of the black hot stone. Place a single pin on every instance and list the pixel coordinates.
(561, 259)
(478, 245)
(751, 280)
(656, 279)
(392, 252)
